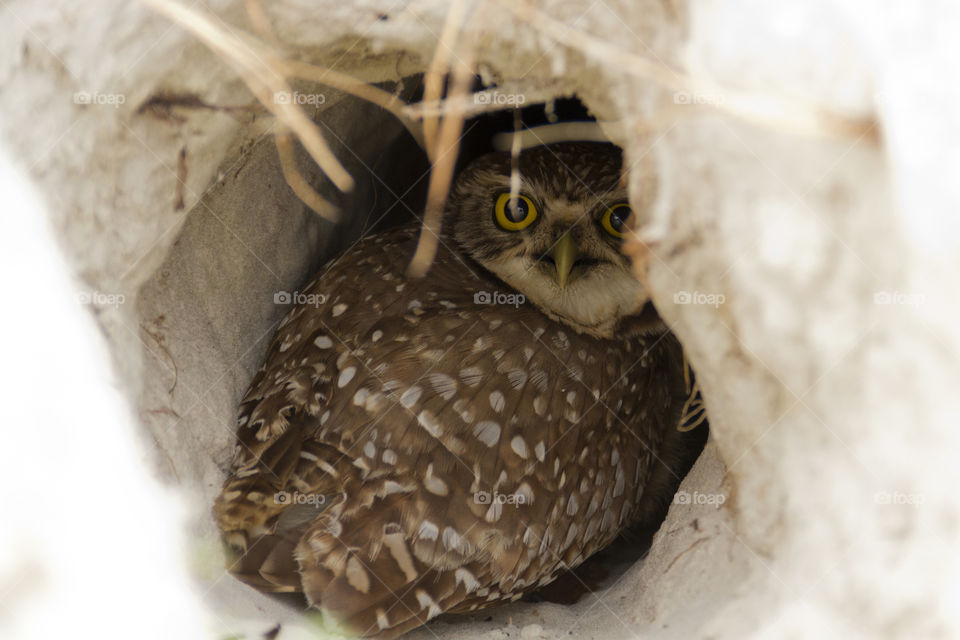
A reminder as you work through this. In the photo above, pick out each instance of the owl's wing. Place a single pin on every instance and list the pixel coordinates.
(258, 511)
(683, 441)
(355, 545)
(276, 462)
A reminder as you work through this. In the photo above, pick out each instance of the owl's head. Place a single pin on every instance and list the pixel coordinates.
(556, 236)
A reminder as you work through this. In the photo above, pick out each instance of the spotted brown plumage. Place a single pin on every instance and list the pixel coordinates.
(419, 446)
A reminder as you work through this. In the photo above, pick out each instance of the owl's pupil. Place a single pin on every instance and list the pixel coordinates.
(619, 217)
(517, 210)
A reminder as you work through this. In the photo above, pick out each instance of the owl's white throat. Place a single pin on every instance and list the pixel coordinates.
(593, 303)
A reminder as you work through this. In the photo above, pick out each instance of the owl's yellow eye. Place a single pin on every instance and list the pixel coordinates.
(514, 214)
(614, 219)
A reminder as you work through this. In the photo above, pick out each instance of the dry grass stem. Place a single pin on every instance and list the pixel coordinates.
(288, 162)
(441, 177)
(443, 145)
(439, 66)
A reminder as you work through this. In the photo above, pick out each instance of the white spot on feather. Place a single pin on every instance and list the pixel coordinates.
(397, 547)
(469, 581)
(539, 405)
(357, 576)
(487, 432)
(346, 376)
(426, 602)
(517, 378)
(382, 620)
(526, 492)
(493, 513)
(444, 385)
(433, 484)
(519, 446)
(471, 376)
(497, 401)
(391, 487)
(619, 483)
(428, 531)
(429, 422)
(452, 540)
(410, 396)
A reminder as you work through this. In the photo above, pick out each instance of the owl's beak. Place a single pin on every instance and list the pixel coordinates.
(564, 254)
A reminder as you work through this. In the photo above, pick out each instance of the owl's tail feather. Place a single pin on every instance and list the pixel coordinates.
(392, 614)
(267, 564)
(367, 578)
(269, 501)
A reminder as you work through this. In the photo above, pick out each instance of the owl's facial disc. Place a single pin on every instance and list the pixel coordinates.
(555, 239)
(574, 271)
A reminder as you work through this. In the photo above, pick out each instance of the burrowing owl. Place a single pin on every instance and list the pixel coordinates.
(412, 447)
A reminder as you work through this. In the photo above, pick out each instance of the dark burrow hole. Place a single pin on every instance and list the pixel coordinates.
(391, 191)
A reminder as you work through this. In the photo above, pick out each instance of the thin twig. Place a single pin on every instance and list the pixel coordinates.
(288, 163)
(441, 177)
(437, 72)
(516, 146)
